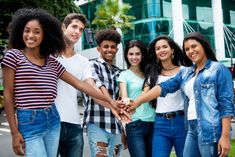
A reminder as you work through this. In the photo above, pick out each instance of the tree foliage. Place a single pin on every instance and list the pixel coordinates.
(112, 14)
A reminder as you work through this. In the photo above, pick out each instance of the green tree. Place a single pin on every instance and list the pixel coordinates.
(113, 14)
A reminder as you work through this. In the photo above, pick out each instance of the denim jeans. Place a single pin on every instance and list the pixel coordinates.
(168, 133)
(102, 142)
(139, 135)
(71, 140)
(40, 129)
(193, 148)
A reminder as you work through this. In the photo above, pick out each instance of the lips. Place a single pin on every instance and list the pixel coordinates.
(30, 42)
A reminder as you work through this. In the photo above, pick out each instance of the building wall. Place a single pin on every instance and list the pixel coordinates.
(155, 17)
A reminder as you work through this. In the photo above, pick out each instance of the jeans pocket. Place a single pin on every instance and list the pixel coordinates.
(134, 125)
(25, 117)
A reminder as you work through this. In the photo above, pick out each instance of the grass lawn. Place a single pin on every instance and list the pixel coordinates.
(231, 153)
(232, 150)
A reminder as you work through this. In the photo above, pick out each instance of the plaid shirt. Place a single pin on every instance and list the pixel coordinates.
(106, 76)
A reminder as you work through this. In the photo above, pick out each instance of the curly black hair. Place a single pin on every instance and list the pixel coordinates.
(53, 42)
(107, 34)
(68, 19)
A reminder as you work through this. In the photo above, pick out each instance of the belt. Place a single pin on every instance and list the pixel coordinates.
(170, 115)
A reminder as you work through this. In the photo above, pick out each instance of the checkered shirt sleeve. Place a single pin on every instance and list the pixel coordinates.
(106, 76)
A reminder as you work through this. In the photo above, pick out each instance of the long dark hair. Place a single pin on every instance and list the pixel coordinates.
(154, 68)
(203, 41)
(143, 50)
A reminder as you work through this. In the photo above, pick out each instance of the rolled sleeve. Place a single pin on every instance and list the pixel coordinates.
(225, 92)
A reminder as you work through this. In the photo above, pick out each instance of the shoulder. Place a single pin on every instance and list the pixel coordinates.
(14, 52)
(124, 73)
(217, 66)
(81, 57)
(53, 61)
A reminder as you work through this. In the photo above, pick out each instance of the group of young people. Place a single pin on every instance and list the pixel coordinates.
(168, 97)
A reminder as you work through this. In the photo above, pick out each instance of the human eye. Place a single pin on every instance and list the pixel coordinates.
(186, 49)
(130, 53)
(26, 30)
(113, 47)
(157, 48)
(106, 46)
(165, 46)
(194, 45)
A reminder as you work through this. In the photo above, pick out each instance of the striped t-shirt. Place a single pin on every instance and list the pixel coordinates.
(34, 86)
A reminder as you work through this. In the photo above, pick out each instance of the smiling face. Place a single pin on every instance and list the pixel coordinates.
(108, 50)
(33, 34)
(163, 50)
(134, 56)
(195, 51)
(73, 31)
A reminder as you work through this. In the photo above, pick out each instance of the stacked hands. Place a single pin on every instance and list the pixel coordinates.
(122, 109)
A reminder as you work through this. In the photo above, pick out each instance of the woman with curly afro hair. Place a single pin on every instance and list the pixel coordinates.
(30, 75)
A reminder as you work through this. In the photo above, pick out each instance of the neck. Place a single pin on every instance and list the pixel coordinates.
(201, 64)
(69, 52)
(35, 53)
(168, 65)
(136, 69)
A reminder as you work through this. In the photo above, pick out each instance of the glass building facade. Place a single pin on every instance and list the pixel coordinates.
(155, 17)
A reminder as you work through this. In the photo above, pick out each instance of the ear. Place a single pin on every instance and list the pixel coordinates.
(173, 51)
(63, 27)
(98, 48)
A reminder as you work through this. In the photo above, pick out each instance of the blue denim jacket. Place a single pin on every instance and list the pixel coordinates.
(213, 89)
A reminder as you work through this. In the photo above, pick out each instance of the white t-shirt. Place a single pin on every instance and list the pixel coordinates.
(172, 101)
(66, 100)
(189, 92)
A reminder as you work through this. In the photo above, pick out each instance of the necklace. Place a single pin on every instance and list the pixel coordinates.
(174, 67)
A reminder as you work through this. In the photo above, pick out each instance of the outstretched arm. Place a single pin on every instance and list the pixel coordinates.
(123, 93)
(146, 97)
(82, 86)
(111, 104)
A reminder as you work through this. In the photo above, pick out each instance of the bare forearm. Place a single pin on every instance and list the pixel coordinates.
(10, 113)
(226, 125)
(148, 96)
(82, 86)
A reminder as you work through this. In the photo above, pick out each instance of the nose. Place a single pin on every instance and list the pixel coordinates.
(109, 48)
(30, 34)
(134, 56)
(190, 50)
(78, 31)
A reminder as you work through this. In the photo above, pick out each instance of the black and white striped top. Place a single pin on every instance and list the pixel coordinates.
(34, 86)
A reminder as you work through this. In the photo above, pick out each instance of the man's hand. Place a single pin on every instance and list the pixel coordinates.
(125, 116)
(115, 105)
(122, 116)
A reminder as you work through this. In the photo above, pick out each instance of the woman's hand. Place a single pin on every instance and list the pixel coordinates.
(132, 107)
(126, 101)
(18, 144)
(223, 146)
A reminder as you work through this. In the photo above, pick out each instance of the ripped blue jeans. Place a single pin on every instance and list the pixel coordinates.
(102, 142)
